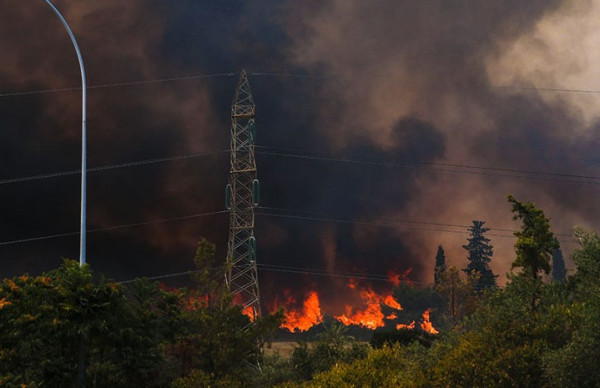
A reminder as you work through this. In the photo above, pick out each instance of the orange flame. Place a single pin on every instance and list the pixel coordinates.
(371, 317)
(390, 301)
(410, 326)
(309, 316)
(249, 312)
(4, 302)
(396, 278)
(426, 324)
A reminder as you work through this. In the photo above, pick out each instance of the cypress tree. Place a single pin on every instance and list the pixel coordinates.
(559, 273)
(480, 252)
(440, 265)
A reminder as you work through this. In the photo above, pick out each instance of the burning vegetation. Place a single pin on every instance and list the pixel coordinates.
(373, 311)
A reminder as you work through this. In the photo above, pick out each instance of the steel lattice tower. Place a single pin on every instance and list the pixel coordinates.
(242, 195)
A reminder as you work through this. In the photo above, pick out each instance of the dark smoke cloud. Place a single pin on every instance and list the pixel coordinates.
(401, 82)
(436, 60)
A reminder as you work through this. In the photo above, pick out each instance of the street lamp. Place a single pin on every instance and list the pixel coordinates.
(83, 136)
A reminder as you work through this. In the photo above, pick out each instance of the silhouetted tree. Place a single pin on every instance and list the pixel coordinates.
(440, 265)
(480, 253)
(559, 273)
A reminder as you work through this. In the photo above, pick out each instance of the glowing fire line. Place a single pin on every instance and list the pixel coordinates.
(371, 316)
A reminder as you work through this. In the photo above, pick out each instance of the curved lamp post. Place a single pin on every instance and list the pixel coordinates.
(83, 136)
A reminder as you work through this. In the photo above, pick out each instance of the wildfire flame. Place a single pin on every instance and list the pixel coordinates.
(410, 326)
(426, 324)
(306, 318)
(396, 278)
(371, 317)
(390, 301)
(249, 312)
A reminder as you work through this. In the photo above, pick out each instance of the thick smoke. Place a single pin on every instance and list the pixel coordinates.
(405, 83)
(445, 63)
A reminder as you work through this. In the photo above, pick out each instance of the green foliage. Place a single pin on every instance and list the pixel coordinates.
(504, 343)
(415, 300)
(332, 347)
(51, 320)
(198, 378)
(275, 370)
(395, 366)
(459, 296)
(578, 363)
(480, 252)
(59, 323)
(527, 333)
(535, 243)
(221, 342)
(216, 341)
(402, 336)
(209, 276)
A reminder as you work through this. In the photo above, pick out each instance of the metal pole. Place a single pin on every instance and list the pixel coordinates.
(83, 136)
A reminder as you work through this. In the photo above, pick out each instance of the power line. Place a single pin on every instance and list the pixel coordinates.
(466, 169)
(366, 223)
(533, 174)
(389, 223)
(383, 219)
(157, 81)
(272, 74)
(258, 74)
(401, 221)
(158, 277)
(295, 270)
(382, 223)
(542, 89)
(110, 167)
(120, 84)
(115, 227)
(323, 272)
(467, 166)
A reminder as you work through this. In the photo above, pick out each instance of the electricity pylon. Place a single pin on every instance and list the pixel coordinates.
(242, 196)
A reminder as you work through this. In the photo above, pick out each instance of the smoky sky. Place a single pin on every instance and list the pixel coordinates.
(393, 84)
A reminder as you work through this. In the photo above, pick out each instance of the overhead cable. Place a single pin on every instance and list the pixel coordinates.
(115, 227)
(110, 167)
(120, 84)
(441, 167)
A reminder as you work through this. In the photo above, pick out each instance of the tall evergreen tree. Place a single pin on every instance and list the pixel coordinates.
(559, 273)
(480, 252)
(440, 265)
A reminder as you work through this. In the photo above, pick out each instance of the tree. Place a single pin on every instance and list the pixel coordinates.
(209, 276)
(390, 366)
(218, 342)
(503, 344)
(480, 253)
(458, 294)
(63, 326)
(535, 243)
(577, 363)
(331, 347)
(559, 273)
(440, 264)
